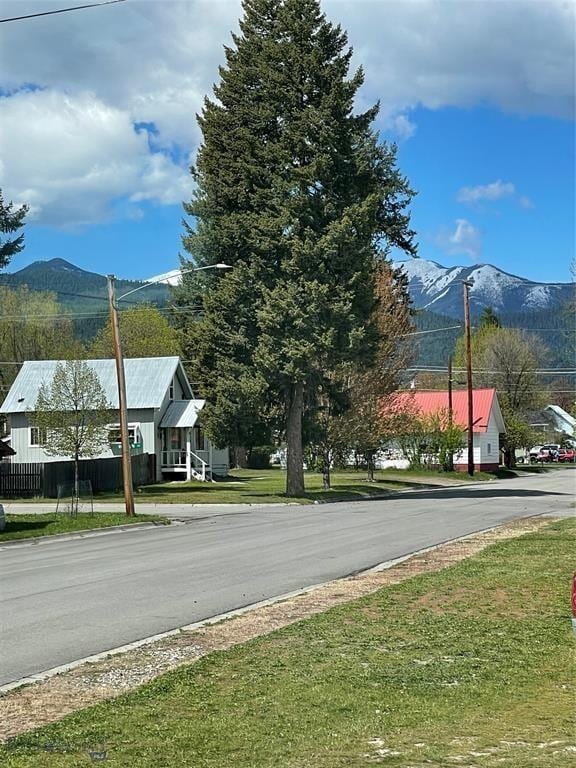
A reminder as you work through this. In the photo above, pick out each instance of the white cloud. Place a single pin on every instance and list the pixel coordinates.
(400, 126)
(494, 191)
(525, 202)
(70, 158)
(154, 61)
(497, 190)
(464, 239)
(514, 54)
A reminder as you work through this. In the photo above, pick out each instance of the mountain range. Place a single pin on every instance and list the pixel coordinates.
(77, 288)
(438, 289)
(432, 287)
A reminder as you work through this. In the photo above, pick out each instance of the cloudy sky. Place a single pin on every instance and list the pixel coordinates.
(97, 123)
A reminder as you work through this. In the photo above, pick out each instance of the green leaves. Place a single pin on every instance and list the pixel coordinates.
(73, 412)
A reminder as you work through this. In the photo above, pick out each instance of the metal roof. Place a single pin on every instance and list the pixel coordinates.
(484, 401)
(182, 413)
(562, 418)
(147, 381)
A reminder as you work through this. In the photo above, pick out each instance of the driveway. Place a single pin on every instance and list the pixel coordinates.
(64, 600)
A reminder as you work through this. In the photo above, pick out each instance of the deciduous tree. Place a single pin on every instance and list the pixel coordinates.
(145, 332)
(72, 412)
(33, 326)
(508, 360)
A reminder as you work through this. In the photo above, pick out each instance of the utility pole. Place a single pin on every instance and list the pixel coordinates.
(125, 444)
(450, 409)
(467, 285)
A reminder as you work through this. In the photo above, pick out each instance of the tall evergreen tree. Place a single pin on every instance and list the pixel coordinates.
(489, 319)
(297, 194)
(11, 220)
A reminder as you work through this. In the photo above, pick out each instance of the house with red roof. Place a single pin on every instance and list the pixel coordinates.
(488, 423)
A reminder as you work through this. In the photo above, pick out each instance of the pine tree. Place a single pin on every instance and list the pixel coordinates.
(297, 194)
(11, 220)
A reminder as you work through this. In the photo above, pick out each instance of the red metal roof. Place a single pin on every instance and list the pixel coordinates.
(427, 402)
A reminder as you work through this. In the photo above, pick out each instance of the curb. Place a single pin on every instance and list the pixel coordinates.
(85, 533)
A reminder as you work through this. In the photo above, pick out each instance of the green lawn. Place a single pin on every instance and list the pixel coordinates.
(264, 486)
(28, 526)
(470, 666)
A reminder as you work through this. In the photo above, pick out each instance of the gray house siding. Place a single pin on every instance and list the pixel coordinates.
(152, 384)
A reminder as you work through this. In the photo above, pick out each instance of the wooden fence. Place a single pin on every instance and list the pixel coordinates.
(29, 480)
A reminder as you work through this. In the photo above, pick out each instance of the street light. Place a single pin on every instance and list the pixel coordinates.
(467, 285)
(122, 404)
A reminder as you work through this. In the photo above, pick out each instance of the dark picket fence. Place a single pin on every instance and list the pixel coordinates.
(29, 480)
(21, 480)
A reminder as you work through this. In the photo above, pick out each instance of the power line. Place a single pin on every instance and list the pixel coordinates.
(435, 330)
(61, 10)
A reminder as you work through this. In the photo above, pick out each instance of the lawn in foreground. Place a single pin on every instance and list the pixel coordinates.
(471, 666)
(32, 526)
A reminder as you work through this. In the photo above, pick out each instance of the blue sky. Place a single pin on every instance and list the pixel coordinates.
(479, 95)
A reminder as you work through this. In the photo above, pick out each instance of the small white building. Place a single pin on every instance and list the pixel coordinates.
(164, 417)
(488, 423)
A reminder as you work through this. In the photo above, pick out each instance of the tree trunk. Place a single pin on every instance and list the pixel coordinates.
(294, 458)
(370, 466)
(326, 471)
(240, 457)
(75, 493)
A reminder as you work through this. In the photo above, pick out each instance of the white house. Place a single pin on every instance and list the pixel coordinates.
(488, 423)
(164, 417)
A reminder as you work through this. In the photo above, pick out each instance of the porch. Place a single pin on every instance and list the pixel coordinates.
(184, 447)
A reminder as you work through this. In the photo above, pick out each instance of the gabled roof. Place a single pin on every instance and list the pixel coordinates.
(147, 381)
(182, 413)
(562, 418)
(485, 402)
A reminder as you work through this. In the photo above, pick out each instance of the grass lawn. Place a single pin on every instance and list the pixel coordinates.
(471, 666)
(266, 486)
(28, 526)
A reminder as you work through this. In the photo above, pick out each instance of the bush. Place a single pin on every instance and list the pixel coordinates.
(259, 457)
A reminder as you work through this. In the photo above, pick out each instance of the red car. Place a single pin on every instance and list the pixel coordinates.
(566, 455)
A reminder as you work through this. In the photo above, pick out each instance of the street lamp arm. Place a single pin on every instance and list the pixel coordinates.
(163, 278)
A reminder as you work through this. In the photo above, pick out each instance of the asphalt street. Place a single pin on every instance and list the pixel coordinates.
(67, 599)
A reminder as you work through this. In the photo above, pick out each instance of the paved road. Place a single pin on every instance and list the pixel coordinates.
(63, 600)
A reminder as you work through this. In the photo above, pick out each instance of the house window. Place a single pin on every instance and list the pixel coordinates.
(37, 436)
(489, 448)
(171, 390)
(115, 434)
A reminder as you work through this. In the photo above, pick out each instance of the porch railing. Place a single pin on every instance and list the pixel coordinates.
(177, 459)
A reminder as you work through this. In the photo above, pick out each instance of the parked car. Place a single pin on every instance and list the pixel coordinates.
(534, 452)
(548, 452)
(566, 455)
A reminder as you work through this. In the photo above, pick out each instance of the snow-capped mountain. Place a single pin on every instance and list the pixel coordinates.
(439, 289)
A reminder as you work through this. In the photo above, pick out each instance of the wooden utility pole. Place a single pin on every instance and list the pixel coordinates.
(467, 286)
(125, 443)
(450, 409)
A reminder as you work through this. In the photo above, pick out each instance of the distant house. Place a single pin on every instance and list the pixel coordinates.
(552, 423)
(488, 421)
(164, 417)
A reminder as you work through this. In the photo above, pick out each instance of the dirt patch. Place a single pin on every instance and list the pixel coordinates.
(30, 707)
